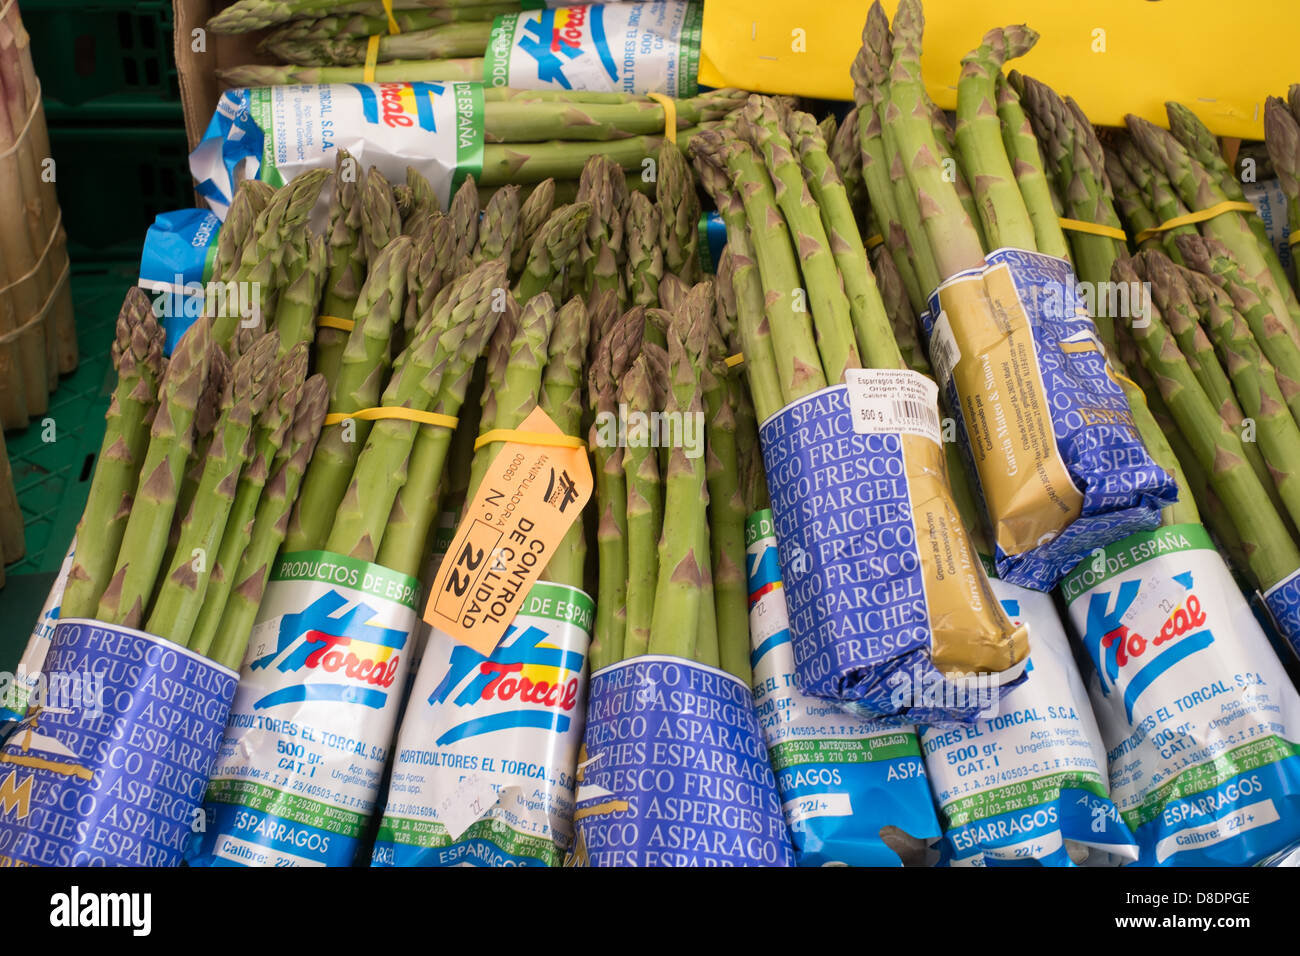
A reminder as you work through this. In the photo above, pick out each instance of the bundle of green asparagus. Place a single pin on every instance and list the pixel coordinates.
(263, 414)
(809, 314)
(1186, 163)
(945, 202)
(356, 17)
(1242, 499)
(671, 503)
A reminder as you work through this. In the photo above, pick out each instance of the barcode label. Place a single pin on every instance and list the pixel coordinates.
(944, 354)
(893, 401)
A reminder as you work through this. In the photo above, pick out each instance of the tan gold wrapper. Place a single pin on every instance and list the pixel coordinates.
(1027, 488)
(969, 631)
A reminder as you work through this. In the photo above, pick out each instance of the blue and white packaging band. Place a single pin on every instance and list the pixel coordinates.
(274, 133)
(891, 612)
(675, 771)
(647, 46)
(713, 239)
(1200, 721)
(1270, 201)
(27, 678)
(300, 764)
(846, 784)
(1283, 603)
(1029, 784)
(176, 264)
(487, 752)
(1060, 465)
(117, 777)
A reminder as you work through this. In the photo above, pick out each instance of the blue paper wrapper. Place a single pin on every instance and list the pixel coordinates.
(676, 772)
(119, 782)
(1060, 465)
(847, 784)
(174, 265)
(882, 586)
(1283, 603)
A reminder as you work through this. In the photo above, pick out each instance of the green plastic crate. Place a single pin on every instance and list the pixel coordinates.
(113, 181)
(52, 477)
(104, 61)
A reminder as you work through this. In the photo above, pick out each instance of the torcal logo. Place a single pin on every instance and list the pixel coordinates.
(512, 674)
(555, 39)
(346, 646)
(1117, 647)
(400, 105)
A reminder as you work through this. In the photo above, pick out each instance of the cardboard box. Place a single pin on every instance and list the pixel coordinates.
(200, 53)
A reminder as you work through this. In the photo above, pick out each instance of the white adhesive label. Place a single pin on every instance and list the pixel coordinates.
(641, 47)
(893, 401)
(944, 353)
(487, 752)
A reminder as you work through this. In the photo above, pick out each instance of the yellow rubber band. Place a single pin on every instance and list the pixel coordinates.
(1191, 218)
(670, 114)
(372, 57)
(1293, 239)
(393, 28)
(334, 322)
(394, 413)
(734, 360)
(1093, 228)
(528, 438)
(873, 241)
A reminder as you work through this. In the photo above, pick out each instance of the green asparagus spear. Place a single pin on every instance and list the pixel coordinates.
(436, 351)
(737, 270)
(1022, 149)
(272, 428)
(551, 250)
(361, 379)
(875, 340)
(270, 525)
(1271, 553)
(761, 126)
(171, 440)
(346, 263)
(433, 43)
(248, 390)
(138, 352)
(562, 399)
(675, 625)
(534, 212)
(1002, 209)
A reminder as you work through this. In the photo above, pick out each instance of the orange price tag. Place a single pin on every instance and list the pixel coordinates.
(529, 498)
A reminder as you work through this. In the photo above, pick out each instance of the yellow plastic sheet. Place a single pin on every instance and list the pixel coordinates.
(1112, 56)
